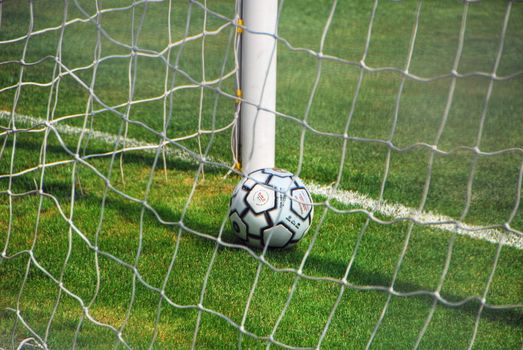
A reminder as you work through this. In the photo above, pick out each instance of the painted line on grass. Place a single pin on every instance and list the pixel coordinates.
(427, 218)
(98, 135)
(350, 198)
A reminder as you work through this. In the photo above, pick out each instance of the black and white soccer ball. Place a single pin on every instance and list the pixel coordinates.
(271, 207)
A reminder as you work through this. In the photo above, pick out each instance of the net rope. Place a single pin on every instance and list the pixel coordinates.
(173, 147)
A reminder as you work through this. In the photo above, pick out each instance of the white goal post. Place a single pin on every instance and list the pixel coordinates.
(258, 84)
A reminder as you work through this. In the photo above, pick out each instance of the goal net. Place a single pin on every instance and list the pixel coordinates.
(119, 150)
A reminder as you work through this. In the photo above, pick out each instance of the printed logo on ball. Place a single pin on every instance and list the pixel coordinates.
(261, 197)
(304, 208)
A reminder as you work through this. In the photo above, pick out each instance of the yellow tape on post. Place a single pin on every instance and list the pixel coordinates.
(239, 28)
(239, 95)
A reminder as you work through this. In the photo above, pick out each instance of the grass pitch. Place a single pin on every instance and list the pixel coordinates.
(189, 209)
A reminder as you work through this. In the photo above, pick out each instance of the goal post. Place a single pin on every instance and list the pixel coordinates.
(258, 84)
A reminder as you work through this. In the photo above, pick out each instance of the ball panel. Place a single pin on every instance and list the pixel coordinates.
(238, 203)
(260, 199)
(278, 172)
(282, 184)
(275, 215)
(255, 223)
(277, 236)
(301, 202)
(283, 206)
(295, 223)
(298, 182)
(304, 227)
(238, 226)
(256, 177)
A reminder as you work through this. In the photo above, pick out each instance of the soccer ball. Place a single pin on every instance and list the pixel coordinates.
(271, 207)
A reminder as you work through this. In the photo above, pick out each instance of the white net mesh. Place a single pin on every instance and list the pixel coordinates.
(403, 117)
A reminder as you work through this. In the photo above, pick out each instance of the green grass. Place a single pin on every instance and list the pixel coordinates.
(494, 189)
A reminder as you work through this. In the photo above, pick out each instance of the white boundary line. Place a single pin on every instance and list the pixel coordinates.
(350, 198)
(427, 218)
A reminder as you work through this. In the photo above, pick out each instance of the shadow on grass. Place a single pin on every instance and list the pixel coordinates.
(319, 265)
(360, 276)
(139, 157)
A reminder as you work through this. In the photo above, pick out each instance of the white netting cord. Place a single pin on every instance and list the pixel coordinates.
(168, 147)
(427, 182)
